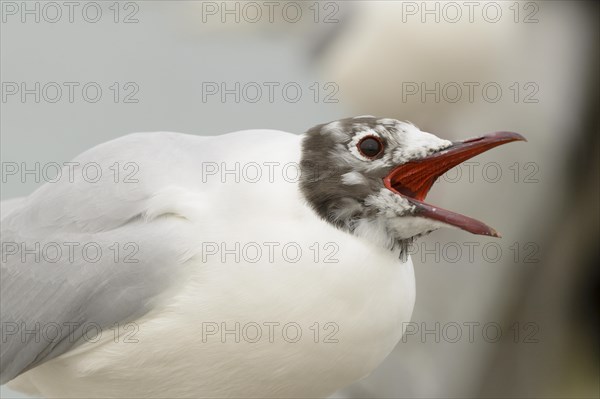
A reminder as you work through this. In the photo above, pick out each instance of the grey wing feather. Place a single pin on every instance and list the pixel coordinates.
(47, 308)
(55, 290)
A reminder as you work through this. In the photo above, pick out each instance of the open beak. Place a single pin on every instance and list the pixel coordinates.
(414, 179)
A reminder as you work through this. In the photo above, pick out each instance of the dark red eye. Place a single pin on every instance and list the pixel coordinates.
(370, 146)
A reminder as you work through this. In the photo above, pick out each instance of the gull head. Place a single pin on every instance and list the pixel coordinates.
(369, 176)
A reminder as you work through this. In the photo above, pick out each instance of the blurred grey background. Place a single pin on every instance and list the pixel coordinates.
(525, 306)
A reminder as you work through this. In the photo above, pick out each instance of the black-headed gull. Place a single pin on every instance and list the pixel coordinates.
(253, 264)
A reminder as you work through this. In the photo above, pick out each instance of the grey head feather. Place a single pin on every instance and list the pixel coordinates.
(346, 189)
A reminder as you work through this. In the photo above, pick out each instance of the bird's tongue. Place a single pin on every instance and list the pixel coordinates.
(414, 179)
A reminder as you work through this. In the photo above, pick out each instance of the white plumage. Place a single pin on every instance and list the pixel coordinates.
(367, 294)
